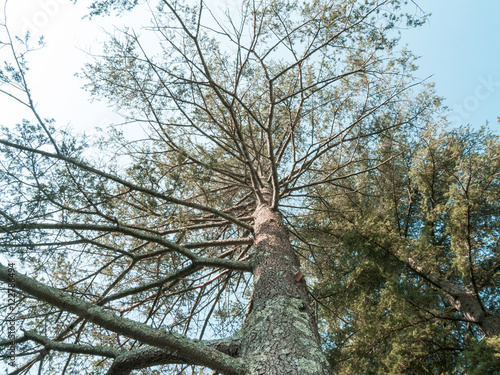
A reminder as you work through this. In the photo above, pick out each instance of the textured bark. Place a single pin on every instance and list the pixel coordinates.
(280, 334)
(143, 358)
(147, 357)
(466, 302)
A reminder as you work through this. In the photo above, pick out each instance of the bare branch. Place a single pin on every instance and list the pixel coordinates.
(130, 185)
(198, 352)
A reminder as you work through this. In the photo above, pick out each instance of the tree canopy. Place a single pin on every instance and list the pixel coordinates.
(288, 204)
(412, 279)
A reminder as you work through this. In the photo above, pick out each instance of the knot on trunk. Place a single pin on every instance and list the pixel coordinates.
(231, 348)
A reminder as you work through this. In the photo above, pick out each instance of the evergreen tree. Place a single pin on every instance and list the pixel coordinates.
(181, 251)
(409, 258)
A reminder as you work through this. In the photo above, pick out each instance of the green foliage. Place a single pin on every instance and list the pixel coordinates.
(105, 7)
(436, 203)
(481, 357)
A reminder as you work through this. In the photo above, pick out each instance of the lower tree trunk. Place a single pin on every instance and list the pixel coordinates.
(280, 334)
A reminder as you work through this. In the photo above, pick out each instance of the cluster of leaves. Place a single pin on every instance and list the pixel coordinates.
(106, 7)
(436, 205)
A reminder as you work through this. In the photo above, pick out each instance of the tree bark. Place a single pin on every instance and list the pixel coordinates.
(464, 301)
(469, 306)
(280, 335)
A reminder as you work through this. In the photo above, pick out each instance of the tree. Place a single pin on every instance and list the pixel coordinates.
(409, 272)
(173, 251)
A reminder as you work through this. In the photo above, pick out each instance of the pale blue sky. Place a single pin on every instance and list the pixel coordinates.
(459, 46)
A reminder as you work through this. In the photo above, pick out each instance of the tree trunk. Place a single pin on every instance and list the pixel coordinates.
(463, 301)
(280, 334)
(468, 304)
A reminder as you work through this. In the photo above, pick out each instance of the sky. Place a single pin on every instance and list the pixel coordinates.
(459, 48)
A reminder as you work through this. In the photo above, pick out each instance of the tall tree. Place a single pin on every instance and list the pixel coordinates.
(408, 258)
(172, 251)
